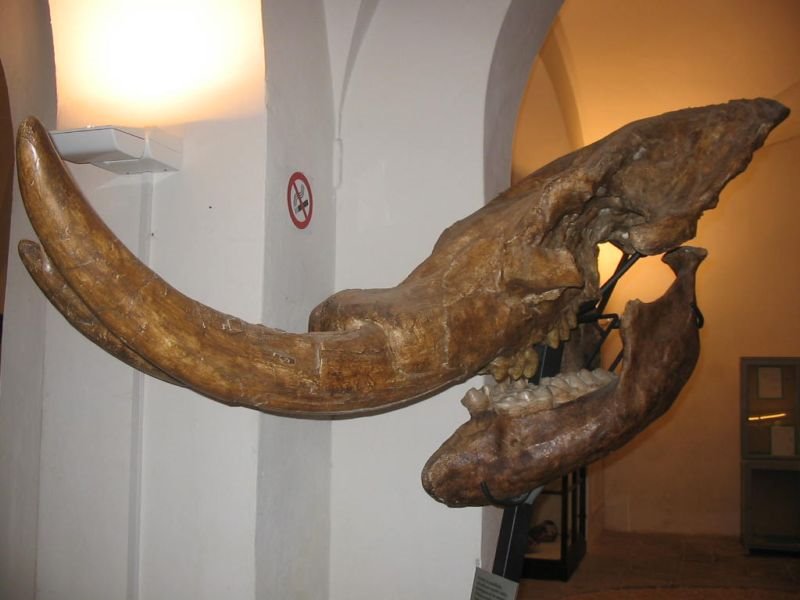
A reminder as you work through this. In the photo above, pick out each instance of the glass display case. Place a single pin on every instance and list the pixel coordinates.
(770, 421)
(561, 509)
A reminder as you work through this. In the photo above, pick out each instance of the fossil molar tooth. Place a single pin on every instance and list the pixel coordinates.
(559, 382)
(531, 363)
(499, 368)
(562, 396)
(529, 370)
(587, 377)
(564, 328)
(572, 319)
(526, 395)
(576, 383)
(475, 401)
(522, 403)
(604, 376)
(520, 384)
(553, 339)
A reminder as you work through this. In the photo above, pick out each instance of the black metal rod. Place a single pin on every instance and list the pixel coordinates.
(605, 332)
(626, 261)
(504, 503)
(512, 543)
(616, 362)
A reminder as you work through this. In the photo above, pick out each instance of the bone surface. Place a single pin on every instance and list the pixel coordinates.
(509, 276)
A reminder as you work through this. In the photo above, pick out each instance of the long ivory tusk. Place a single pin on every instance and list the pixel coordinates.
(67, 302)
(215, 354)
(507, 276)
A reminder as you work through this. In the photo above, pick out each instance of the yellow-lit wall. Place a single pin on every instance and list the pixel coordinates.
(682, 474)
(542, 133)
(628, 60)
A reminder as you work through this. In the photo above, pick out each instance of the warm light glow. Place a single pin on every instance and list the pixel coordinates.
(607, 260)
(157, 62)
(767, 417)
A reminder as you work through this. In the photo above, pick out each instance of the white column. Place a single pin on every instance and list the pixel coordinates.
(413, 137)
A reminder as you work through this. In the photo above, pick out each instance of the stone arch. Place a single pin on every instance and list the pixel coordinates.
(521, 36)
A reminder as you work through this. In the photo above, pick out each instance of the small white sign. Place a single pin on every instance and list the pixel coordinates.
(770, 382)
(488, 586)
(782, 440)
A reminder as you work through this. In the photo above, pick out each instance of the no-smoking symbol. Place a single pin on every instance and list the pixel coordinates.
(299, 200)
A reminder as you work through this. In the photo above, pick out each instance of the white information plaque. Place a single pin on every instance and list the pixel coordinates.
(488, 586)
(770, 382)
(783, 443)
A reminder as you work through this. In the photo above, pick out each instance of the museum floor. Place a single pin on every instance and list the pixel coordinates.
(627, 566)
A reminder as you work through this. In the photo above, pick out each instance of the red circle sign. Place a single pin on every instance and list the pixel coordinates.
(299, 200)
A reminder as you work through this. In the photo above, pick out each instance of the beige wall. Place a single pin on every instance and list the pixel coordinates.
(542, 133)
(682, 474)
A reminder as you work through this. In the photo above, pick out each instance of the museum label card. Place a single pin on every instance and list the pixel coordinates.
(488, 586)
(783, 443)
(770, 384)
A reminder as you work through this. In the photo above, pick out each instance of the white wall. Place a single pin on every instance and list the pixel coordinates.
(412, 140)
(199, 463)
(147, 491)
(85, 493)
(293, 529)
(26, 53)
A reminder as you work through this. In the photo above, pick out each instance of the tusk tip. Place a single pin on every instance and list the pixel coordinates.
(30, 252)
(31, 127)
(31, 134)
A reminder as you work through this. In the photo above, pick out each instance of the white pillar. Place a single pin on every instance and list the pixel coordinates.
(423, 90)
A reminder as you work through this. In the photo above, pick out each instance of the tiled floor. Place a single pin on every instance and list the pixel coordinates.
(619, 561)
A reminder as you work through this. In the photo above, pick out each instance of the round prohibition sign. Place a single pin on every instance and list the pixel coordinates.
(299, 200)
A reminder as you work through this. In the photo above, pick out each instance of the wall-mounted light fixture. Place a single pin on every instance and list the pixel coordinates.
(157, 62)
(120, 150)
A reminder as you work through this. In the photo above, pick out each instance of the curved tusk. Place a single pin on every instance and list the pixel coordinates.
(510, 275)
(67, 302)
(215, 354)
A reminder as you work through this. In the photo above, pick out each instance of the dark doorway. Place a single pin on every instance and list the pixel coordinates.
(6, 182)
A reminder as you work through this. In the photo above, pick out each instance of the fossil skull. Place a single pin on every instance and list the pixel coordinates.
(512, 274)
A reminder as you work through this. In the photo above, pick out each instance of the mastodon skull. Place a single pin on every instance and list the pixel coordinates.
(512, 274)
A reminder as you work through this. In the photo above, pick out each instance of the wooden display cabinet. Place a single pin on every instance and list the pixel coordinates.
(770, 429)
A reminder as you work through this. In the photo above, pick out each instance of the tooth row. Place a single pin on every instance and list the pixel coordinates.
(519, 397)
(522, 364)
(525, 363)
